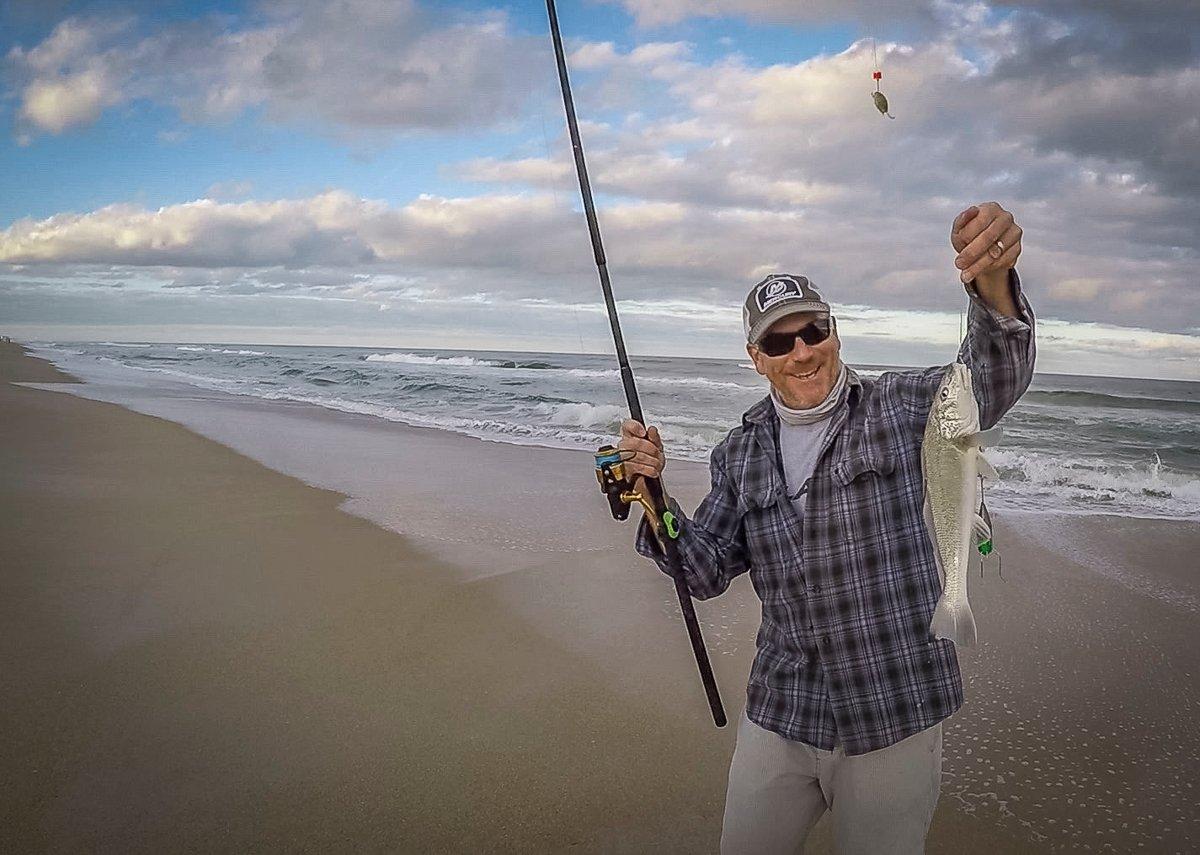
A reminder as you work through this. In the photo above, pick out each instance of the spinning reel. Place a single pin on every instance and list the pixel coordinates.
(610, 472)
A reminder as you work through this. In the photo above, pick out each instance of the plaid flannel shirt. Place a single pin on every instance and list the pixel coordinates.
(849, 586)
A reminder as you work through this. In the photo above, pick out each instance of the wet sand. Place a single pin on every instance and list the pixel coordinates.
(204, 654)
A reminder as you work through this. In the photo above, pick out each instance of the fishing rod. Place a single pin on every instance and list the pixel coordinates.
(609, 463)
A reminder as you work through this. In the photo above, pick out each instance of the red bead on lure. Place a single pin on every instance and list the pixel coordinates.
(880, 99)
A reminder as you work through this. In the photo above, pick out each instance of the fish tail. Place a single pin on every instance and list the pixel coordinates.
(954, 623)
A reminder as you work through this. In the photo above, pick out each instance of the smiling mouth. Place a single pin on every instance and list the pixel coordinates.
(807, 376)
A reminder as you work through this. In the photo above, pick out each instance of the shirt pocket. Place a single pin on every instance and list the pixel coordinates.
(869, 498)
(772, 533)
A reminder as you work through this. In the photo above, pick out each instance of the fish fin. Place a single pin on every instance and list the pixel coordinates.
(989, 438)
(986, 470)
(981, 529)
(958, 625)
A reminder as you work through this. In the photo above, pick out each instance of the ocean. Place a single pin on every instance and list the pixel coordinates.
(1073, 444)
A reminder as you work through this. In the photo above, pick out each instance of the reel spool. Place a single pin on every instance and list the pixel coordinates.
(610, 473)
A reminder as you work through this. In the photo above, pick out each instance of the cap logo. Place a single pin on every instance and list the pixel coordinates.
(774, 290)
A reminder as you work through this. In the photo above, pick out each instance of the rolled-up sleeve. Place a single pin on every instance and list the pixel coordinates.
(711, 543)
(1000, 351)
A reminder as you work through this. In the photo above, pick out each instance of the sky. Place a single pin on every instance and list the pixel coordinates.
(397, 172)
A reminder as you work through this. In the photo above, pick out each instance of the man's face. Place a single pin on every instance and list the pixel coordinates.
(804, 376)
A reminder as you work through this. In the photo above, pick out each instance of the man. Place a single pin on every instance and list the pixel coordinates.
(818, 494)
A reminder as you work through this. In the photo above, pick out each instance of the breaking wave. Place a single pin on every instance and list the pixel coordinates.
(1080, 445)
(1032, 480)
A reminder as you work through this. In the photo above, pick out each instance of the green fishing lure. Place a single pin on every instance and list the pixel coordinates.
(881, 103)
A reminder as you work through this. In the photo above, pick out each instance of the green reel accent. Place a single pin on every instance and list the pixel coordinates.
(671, 524)
(985, 548)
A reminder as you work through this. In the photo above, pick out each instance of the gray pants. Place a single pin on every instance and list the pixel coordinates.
(881, 802)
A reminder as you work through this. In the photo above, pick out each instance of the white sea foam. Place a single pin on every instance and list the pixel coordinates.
(487, 429)
(546, 373)
(648, 379)
(221, 350)
(417, 359)
(217, 384)
(702, 382)
(591, 372)
(1029, 479)
(583, 415)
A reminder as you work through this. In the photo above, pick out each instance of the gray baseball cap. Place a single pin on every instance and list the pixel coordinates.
(778, 296)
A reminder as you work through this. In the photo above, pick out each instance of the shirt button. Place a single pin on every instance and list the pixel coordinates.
(825, 641)
(816, 589)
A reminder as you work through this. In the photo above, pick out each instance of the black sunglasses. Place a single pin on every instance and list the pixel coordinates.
(777, 344)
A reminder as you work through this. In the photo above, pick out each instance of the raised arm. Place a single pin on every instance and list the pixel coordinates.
(1000, 346)
(1000, 350)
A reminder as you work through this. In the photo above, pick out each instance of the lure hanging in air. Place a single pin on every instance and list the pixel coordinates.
(881, 102)
(878, 97)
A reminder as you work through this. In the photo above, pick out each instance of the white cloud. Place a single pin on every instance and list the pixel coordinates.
(872, 200)
(60, 103)
(1081, 289)
(377, 64)
(529, 170)
(69, 79)
(360, 64)
(525, 245)
(651, 13)
(202, 233)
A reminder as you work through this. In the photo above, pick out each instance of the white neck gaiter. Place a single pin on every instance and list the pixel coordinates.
(823, 410)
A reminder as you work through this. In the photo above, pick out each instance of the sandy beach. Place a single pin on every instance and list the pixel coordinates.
(203, 653)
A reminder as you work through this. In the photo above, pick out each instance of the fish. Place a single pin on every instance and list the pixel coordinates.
(881, 103)
(953, 468)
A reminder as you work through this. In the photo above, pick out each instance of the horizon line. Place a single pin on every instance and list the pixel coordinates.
(632, 355)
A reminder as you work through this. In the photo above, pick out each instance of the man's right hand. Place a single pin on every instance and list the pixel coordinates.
(643, 449)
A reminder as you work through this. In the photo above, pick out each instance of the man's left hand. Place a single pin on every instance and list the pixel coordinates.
(987, 240)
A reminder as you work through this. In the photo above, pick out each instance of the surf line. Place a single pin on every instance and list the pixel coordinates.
(609, 463)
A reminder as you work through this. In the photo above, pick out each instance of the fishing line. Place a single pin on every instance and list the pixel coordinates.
(552, 162)
(881, 102)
